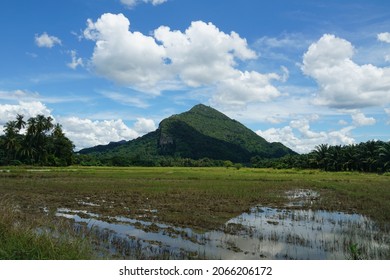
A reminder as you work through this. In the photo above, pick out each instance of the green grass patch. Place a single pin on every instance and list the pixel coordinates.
(23, 237)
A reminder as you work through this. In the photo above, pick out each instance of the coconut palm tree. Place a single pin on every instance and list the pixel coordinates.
(11, 141)
(384, 156)
(20, 123)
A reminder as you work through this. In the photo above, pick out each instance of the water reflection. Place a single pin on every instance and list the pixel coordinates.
(263, 233)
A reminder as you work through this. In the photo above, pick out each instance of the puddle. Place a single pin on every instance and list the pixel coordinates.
(263, 233)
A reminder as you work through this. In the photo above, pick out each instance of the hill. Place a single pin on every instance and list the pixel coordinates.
(201, 132)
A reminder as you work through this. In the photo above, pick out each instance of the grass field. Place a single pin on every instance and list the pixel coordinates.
(198, 198)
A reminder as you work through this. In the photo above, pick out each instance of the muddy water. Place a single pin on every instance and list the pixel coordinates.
(262, 233)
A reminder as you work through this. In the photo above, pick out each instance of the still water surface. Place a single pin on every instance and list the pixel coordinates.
(262, 233)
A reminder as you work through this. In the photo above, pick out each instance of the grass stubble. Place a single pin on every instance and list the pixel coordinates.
(198, 198)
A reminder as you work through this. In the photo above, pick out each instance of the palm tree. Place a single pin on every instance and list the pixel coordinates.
(11, 142)
(320, 154)
(384, 156)
(27, 153)
(20, 123)
(36, 138)
(60, 147)
(369, 156)
(57, 131)
(31, 127)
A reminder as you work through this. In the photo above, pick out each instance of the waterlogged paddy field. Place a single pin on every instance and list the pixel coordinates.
(208, 213)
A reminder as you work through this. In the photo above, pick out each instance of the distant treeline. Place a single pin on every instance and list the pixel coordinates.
(35, 142)
(371, 156)
(44, 143)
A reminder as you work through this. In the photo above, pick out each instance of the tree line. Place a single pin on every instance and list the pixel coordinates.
(370, 156)
(37, 141)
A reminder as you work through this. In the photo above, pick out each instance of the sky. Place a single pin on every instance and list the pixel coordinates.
(302, 73)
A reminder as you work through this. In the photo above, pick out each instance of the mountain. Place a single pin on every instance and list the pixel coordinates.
(103, 148)
(201, 132)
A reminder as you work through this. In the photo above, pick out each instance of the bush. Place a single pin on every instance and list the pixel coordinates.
(238, 166)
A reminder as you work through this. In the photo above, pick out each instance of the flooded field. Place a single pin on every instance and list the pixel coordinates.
(262, 233)
(199, 213)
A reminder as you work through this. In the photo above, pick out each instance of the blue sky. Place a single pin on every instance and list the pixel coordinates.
(299, 72)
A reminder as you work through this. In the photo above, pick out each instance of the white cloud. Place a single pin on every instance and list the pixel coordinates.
(28, 109)
(247, 88)
(143, 125)
(133, 3)
(76, 61)
(8, 112)
(46, 41)
(301, 138)
(88, 133)
(343, 83)
(384, 37)
(18, 95)
(359, 119)
(201, 56)
(30, 97)
(128, 58)
(342, 122)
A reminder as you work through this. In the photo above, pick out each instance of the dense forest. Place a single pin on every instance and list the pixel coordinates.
(41, 143)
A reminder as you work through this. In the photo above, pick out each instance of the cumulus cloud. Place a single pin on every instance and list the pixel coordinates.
(384, 37)
(299, 136)
(76, 61)
(128, 58)
(46, 41)
(359, 119)
(8, 112)
(87, 133)
(201, 56)
(248, 87)
(342, 82)
(133, 3)
(28, 109)
(143, 125)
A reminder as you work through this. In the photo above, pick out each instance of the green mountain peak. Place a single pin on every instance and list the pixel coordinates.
(201, 132)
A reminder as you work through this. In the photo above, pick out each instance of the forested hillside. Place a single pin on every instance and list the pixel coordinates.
(198, 134)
